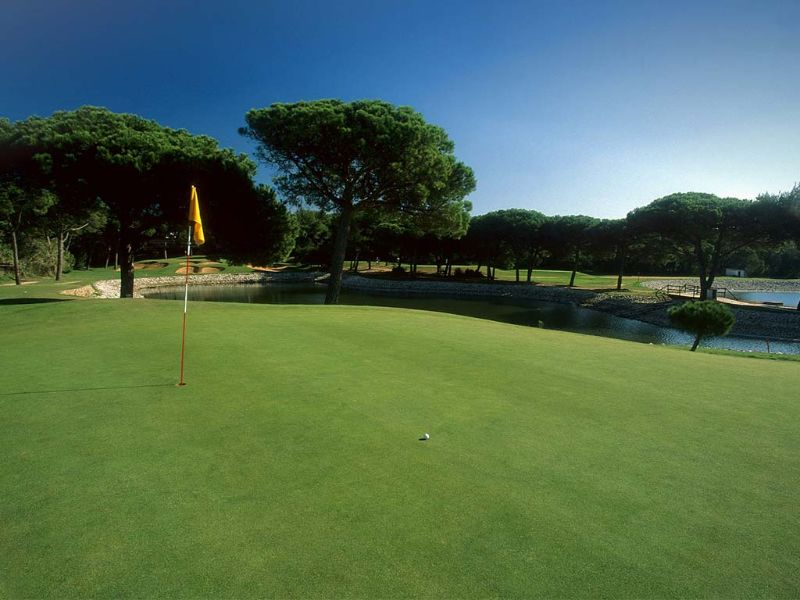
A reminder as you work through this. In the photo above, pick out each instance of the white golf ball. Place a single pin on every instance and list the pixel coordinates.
(426, 436)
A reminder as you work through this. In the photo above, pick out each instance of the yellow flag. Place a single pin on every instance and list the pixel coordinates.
(194, 217)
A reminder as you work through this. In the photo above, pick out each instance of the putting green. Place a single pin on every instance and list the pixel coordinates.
(558, 464)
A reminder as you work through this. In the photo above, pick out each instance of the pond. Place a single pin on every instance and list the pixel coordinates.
(550, 315)
(785, 298)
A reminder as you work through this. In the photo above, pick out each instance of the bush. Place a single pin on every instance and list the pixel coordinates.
(6, 254)
(398, 270)
(467, 274)
(38, 257)
(706, 318)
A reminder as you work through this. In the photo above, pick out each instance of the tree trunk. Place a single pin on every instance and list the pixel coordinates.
(703, 288)
(621, 270)
(125, 254)
(703, 262)
(15, 250)
(576, 260)
(703, 281)
(369, 264)
(337, 259)
(529, 274)
(108, 255)
(60, 256)
(709, 283)
(696, 342)
(516, 266)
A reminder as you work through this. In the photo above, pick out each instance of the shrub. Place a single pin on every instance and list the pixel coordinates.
(38, 257)
(467, 273)
(706, 318)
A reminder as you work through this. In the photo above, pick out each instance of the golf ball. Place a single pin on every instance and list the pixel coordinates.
(426, 436)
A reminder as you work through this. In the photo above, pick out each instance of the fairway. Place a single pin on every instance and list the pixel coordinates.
(559, 465)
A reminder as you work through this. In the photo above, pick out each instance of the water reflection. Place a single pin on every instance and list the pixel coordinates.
(564, 317)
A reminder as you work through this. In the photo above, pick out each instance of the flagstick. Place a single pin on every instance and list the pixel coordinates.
(185, 299)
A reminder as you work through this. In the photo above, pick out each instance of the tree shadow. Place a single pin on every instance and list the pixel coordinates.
(88, 389)
(13, 301)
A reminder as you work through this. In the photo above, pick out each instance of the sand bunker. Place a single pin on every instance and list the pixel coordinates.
(149, 264)
(200, 270)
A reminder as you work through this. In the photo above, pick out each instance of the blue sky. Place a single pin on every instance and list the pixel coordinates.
(565, 107)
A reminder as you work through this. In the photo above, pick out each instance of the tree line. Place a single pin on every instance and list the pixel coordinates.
(367, 181)
(681, 234)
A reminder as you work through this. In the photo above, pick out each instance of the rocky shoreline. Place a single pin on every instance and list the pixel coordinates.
(740, 284)
(751, 321)
(109, 288)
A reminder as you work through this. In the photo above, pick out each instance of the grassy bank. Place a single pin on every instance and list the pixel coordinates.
(558, 464)
(631, 283)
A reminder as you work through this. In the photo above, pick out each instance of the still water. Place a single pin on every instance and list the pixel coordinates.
(785, 298)
(550, 315)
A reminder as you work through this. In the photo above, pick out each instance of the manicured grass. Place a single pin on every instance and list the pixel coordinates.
(582, 280)
(631, 283)
(559, 465)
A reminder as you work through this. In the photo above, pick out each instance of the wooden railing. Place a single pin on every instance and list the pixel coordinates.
(693, 291)
(726, 293)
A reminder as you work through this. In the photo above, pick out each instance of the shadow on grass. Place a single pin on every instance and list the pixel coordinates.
(89, 389)
(12, 301)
